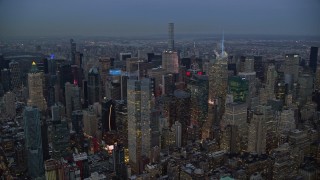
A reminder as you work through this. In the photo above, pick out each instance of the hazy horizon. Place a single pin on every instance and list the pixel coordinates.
(115, 18)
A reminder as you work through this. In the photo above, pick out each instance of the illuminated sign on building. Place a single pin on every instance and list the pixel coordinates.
(200, 73)
(115, 72)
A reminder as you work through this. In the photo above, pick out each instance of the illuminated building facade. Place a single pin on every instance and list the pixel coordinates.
(198, 86)
(257, 134)
(218, 86)
(35, 80)
(170, 61)
(15, 74)
(236, 117)
(271, 81)
(180, 111)
(139, 117)
(239, 88)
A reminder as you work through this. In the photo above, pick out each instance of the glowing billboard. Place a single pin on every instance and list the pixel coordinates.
(115, 72)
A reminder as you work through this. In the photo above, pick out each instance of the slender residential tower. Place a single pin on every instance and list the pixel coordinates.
(171, 36)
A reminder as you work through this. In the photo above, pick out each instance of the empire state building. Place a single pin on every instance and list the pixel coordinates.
(35, 85)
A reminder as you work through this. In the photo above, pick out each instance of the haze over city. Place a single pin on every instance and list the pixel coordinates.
(145, 17)
(159, 90)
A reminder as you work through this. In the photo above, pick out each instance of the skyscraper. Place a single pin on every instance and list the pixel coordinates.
(291, 65)
(139, 112)
(73, 47)
(35, 79)
(171, 36)
(170, 61)
(313, 59)
(181, 111)
(15, 74)
(60, 139)
(93, 86)
(72, 98)
(33, 141)
(5, 79)
(10, 105)
(77, 122)
(218, 85)
(90, 122)
(257, 134)
(108, 119)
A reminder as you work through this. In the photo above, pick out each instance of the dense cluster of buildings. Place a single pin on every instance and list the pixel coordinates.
(160, 116)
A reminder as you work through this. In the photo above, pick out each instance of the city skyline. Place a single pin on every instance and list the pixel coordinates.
(139, 18)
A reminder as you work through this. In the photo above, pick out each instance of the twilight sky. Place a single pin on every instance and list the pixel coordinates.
(146, 17)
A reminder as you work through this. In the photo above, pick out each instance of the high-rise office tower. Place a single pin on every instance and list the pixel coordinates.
(317, 79)
(198, 86)
(15, 74)
(93, 86)
(60, 139)
(306, 87)
(170, 61)
(147, 105)
(134, 121)
(65, 75)
(171, 36)
(139, 112)
(124, 56)
(108, 118)
(236, 116)
(55, 114)
(291, 66)
(77, 122)
(271, 81)
(218, 85)
(287, 121)
(4, 64)
(35, 79)
(10, 105)
(5, 79)
(257, 134)
(313, 59)
(181, 111)
(72, 97)
(90, 122)
(33, 141)
(239, 88)
(167, 84)
(79, 59)
(119, 160)
(230, 141)
(259, 67)
(52, 66)
(178, 133)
